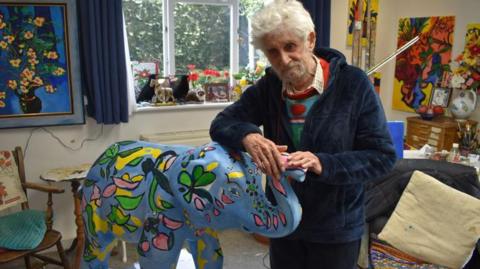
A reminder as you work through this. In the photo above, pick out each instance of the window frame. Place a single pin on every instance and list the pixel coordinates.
(169, 36)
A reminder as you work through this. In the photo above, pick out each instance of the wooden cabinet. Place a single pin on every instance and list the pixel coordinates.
(440, 133)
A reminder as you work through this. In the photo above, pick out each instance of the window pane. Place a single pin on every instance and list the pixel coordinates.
(143, 19)
(202, 36)
(247, 9)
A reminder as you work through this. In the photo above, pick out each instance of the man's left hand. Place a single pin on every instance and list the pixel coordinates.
(306, 160)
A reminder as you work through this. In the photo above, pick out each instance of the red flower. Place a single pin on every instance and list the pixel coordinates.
(476, 76)
(193, 77)
(144, 74)
(475, 50)
(190, 67)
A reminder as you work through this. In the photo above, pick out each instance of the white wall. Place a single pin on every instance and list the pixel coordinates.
(390, 11)
(44, 152)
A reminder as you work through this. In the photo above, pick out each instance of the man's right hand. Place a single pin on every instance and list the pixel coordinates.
(265, 154)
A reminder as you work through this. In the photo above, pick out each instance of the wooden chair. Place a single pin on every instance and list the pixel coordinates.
(51, 237)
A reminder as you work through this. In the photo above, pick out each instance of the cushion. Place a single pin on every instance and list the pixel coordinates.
(22, 230)
(11, 191)
(384, 256)
(434, 222)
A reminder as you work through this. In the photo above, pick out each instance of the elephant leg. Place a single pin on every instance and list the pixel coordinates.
(160, 250)
(206, 250)
(97, 250)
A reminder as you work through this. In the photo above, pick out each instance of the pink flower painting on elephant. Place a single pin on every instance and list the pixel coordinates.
(419, 68)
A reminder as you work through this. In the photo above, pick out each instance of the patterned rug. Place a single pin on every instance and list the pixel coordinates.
(386, 257)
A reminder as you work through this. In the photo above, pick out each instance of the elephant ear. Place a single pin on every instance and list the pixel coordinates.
(279, 187)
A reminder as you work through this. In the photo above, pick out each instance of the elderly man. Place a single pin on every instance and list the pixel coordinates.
(323, 111)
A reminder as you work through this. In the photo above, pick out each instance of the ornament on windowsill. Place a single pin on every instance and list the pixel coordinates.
(163, 93)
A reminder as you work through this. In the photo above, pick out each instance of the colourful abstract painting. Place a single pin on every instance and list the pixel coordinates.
(418, 68)
(35, 68)
(352, 13)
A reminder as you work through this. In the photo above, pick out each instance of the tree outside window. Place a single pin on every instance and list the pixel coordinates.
(201, 32)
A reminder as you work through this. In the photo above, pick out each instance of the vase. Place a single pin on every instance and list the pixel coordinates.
(463, 105)
(29, 103)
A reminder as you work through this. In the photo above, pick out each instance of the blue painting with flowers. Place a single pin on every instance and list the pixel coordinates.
(35, 78)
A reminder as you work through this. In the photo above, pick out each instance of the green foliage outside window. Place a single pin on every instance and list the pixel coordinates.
(143, 19)
(202, 36)
(201, 32)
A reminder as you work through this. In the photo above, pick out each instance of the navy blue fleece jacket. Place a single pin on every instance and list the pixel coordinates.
(346, 129)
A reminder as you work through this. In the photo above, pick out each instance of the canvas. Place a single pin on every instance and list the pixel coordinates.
(352, 4)
(418, 68)
(39, 82)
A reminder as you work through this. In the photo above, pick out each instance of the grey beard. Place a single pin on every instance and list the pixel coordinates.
(292, 76)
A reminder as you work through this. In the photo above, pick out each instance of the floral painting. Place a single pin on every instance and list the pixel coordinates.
(141, 74)
(465, 68)
(354, 13)
(35, 68)
(421, 66)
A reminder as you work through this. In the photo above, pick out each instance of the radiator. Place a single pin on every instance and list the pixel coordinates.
(190, 138)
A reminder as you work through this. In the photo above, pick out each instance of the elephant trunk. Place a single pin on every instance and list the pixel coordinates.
(282, 219)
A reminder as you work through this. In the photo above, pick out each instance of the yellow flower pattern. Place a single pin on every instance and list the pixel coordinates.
(31, 59)
(12, 84)
(15, 62)
(51, 55)
(59, 71)
(28, 35)
(9, 38)
(2, 96)
(39, 21)
(50, 89)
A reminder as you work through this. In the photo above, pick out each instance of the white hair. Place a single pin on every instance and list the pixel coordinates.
(281, 16)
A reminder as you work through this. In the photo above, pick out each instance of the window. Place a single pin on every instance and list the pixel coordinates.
(204, 32)
(176, 33)
(144, 23)
(202, 36)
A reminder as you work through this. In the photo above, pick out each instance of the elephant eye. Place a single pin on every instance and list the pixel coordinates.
(235, 192)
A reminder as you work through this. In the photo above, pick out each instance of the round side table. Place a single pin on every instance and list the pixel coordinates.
(74, 175)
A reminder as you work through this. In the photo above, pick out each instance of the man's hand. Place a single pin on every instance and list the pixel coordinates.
(265, 154)
(306, 160)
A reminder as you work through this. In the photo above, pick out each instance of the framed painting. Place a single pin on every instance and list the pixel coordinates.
(355, 13)
(40, 72)
(440, 97)
(216, 92)
(141, 74)
(420, 67)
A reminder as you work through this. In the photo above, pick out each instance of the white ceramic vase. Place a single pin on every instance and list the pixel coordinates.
(463, 105)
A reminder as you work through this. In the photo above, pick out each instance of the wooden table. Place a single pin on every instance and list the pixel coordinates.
(74, 175)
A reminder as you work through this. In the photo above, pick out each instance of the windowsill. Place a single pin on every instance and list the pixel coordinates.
(182, 107)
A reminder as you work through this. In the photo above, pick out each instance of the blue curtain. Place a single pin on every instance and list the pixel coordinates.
(320, 12)
(103, 59)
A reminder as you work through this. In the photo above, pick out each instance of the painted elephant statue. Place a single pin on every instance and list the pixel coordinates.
(162, 196)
